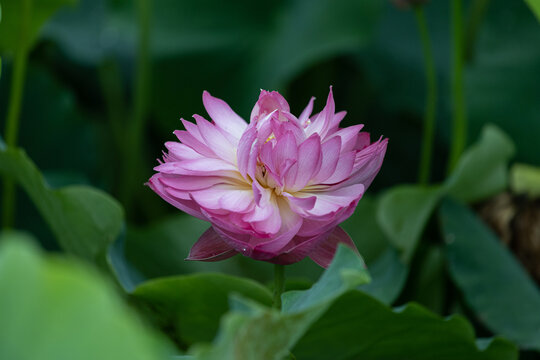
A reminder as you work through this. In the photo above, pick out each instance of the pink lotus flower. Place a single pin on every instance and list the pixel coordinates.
(274, 189)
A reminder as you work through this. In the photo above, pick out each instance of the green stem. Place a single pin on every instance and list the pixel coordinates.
(133, 157)
(143, 63)
(431, 98)
(477, 13)
(459, 120)
(14, 108)
(279, 284)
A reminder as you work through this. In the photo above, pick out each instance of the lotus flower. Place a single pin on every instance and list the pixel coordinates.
(274, 189)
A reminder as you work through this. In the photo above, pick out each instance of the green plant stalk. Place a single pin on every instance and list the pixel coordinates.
(476, 15)
(279, 284)
(14, 109)
(431, 98)
(131, 172)
(459, 119)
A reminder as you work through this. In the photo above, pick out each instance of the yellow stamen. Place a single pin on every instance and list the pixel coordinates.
(271, 137)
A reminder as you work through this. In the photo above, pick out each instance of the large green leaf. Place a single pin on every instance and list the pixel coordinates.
(346, 272)
(388, 272)
(331, 321)
(84, 220)
(501, 85)
(482, 171)
(535, 7)
(525, 179)
(388, 276)
(23, 19)
(366, 233)
(428, 284)
(359, 327)
(495, 285)
(192, 304)
(252, 331)
(403, 213)
(53, 309)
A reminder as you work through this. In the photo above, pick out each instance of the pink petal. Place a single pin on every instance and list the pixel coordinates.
(326, 250)
(189, 140)
(193, 129)
(349, 136)
(239, 242)
(224, 197)
(300, 204)
(313, 226)
(266, 218)
(290, 224)
(246, 150)
(367, 164)
(280, 128)
(304, 116)
(258, 191)
(189, 183)
(330, 155)
(210, 247)
(267, 157)
(215, 140)
(316, 225)
(322, 122)
(300, 247)
(187, 206)
(362, 141)
(204, 166)
(330, 110)
(344, 168)
(181, 151)
(227, 220)
(338, 117)
(308, 164)
(268, 102)
(223, 115)
(285, 148)
(328, 202)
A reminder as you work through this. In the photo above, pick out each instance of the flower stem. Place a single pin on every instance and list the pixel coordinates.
(133, 156)
(431, 97)
(279, 284)
(14, 108)
(459, 120)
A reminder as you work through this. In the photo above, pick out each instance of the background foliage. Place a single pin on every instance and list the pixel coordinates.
(105, 84)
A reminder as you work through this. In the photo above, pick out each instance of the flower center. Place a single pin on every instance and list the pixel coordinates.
(267, 180)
